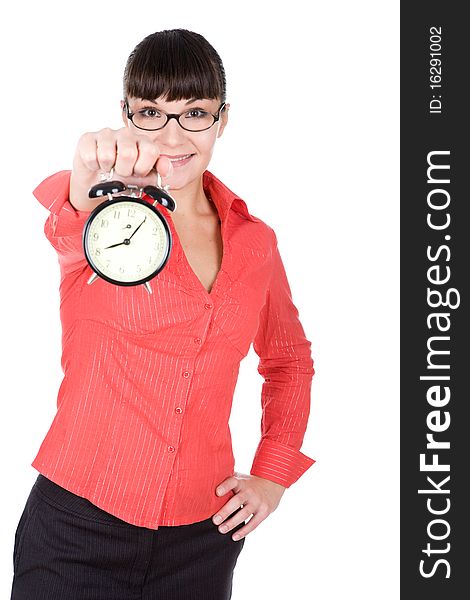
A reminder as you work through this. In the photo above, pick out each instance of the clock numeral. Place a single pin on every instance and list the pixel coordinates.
(104, 222)
(154, 230)
(121, 269)
(96, 236)
(139, 268)
(150, 260)
(131, 212)
(97, 252)
(108, 262)
(117, 214)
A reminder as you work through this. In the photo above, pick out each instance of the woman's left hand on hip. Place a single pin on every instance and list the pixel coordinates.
(257, 496)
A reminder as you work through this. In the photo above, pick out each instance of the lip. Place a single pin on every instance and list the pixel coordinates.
(176, 155)
(177, 161)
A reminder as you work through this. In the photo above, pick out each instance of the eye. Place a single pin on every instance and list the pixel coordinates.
(149, 113)
(196, 113)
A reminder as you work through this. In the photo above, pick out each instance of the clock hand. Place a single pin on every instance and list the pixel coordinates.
(127, 241)
(136, 230)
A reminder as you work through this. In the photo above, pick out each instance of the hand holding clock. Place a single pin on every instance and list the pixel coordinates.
(135, 158)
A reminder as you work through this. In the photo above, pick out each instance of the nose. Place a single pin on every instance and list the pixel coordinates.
(172, 135)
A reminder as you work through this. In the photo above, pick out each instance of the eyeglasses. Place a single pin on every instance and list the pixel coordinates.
(151, 118)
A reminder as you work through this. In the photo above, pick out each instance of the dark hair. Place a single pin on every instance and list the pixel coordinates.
(175, 64)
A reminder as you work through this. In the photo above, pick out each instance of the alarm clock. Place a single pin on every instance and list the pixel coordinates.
(126, 240)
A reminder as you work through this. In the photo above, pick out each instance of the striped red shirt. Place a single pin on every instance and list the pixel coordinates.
(141, 428)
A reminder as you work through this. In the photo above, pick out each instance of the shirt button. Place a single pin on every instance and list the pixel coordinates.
(170, 449)
(186, 374)
(178, 410)
(207, 306)
(197, 340)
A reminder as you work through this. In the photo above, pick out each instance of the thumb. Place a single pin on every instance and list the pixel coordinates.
(223, 488)
(164, 167)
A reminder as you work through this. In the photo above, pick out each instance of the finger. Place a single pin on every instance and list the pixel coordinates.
(226, 486)
(86, 152)
(236, 518)
(252, 524)
(229, 508)
(164, 166)
(105, 150)
(147, 155)
(126, 156)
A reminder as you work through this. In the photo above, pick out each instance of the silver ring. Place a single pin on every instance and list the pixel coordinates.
(106, 176)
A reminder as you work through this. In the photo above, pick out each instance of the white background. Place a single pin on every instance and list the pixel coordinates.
(328, 185)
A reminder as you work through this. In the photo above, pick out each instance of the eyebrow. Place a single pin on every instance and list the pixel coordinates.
(186, 103)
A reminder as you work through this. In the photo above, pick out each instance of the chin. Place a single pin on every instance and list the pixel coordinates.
(178, 181)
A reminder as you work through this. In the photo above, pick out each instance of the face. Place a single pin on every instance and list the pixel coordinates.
(174, 141)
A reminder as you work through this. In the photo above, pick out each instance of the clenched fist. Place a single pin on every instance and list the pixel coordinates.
(135, 158)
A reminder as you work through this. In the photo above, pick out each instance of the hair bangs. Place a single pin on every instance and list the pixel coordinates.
(174, 65)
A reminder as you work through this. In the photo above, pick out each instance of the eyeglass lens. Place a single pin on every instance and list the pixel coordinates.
(194, 119)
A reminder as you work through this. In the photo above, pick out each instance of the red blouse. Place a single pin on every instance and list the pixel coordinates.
(141, 428)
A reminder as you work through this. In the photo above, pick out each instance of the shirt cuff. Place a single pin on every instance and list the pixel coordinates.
(279, 463)
(53, 194)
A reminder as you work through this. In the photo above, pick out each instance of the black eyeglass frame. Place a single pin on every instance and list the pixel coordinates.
(169, 116)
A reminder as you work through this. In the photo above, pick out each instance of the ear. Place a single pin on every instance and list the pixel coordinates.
(223, 120)
(124, 115)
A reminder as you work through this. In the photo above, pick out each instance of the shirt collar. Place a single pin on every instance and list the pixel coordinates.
(224, 199)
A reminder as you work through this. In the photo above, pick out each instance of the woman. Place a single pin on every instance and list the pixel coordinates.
(136, 495)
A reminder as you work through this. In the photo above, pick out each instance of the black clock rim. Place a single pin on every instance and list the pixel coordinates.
(95, 212)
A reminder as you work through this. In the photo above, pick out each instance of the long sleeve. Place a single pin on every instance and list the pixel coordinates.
(64, 226)
(286, 365)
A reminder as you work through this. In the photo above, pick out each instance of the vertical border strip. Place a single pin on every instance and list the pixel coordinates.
(435, 273)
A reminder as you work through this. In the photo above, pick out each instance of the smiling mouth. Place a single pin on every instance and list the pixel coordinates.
(178, 158)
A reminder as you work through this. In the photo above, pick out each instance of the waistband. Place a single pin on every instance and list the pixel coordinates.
(70, 502)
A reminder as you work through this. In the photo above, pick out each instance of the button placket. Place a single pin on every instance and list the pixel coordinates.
(179, 410)
(187, 374)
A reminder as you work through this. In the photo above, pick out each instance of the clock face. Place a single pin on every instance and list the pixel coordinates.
(126, 242)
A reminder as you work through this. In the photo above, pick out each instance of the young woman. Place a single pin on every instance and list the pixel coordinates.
(136, 495)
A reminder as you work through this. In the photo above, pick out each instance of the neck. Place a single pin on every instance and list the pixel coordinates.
(191, 201)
